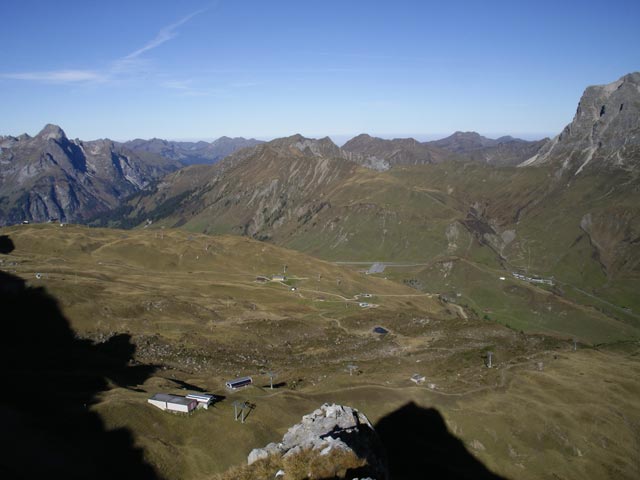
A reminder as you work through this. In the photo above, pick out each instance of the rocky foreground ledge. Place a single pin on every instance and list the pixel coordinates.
(334, 441)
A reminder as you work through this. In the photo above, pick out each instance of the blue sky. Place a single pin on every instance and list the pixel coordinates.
(202, 69)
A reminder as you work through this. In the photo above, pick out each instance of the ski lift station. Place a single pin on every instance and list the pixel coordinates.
(173, 403)
(239, 383)
(203, 399)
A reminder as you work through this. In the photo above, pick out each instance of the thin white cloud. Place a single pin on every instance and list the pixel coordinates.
(57, 76)
(128, 64)
(164, 35)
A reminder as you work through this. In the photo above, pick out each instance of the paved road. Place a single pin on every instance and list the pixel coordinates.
(376, 268)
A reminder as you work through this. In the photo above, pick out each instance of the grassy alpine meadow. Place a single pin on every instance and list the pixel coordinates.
(199, 310)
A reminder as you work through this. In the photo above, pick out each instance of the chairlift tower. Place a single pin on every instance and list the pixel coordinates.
(241, 410)
(237, 405)
(489, 358)
(271, 375)
(246, 408)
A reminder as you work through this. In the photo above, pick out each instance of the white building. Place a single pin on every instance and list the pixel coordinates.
(203, 399)
(173, 403)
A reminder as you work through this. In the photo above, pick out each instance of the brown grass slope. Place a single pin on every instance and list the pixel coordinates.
(190, 304)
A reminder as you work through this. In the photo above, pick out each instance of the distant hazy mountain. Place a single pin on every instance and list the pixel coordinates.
(49, 176)
(381, 154)
(462, 142)
(191, 153)
(502, 151)
(604, 133)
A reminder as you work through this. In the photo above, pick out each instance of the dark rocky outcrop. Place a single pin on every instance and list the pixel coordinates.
(331, 431)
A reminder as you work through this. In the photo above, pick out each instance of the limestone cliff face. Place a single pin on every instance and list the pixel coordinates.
(604, 133)
(328, 433)
(50, 176)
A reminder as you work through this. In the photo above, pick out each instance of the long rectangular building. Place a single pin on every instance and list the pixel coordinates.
(239, 383)
(173, 403)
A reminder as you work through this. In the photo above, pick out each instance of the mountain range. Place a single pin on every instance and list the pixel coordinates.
(191, 153)
(565, 207)
(49, 176)
(470, 250)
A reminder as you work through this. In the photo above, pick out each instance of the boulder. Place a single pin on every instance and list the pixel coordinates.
(326, 430)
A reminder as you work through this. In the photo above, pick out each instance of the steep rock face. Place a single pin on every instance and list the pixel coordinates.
(326, 431)
(192, 153)
(604, 133)
(49, 176)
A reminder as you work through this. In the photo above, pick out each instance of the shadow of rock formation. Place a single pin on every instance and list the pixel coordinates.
(419, 445)
(6, 244)
(50, 380)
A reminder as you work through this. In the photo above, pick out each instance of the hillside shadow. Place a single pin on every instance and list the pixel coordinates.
(419, 445)
(6, 244)
(275, 385)
(50, 381)
(188, 386)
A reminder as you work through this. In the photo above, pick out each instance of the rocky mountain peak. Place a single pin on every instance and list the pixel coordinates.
(460, 142)
(51, 132)
(50, 176)
(361, 137)
(323, 147)
(604, 133)
(223, 138)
